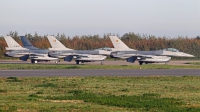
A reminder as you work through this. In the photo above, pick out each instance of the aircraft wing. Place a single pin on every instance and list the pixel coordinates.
(145, 56)
(85, 57)
(127, 54)
(133, 58)
(76, 56)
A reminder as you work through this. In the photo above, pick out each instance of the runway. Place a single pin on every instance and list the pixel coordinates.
(74, 72)
(78, 72)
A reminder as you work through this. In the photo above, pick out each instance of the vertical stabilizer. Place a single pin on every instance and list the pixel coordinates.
(55, 44)
(118, 44)
(11, 42)
(27, 43)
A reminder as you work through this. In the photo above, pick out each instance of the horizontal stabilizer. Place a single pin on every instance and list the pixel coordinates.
(68, 58)
(24, 58)
(131, 59)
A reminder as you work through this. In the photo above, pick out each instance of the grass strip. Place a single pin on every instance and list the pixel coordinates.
(153, 93)
(147, 101)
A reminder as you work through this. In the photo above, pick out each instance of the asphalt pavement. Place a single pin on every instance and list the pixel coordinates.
(78, 72)
(87, 72)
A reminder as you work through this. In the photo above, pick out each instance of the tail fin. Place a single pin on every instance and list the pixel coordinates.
(27, 43)
(55, 44)
(118, 44)
(11, 42)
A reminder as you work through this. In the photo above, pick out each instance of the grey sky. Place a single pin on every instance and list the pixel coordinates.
(171, 18)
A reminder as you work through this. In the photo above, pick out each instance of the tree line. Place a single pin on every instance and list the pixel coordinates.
(189, 45)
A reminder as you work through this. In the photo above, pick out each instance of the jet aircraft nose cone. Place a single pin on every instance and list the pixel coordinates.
(189, 55)
(186, 55)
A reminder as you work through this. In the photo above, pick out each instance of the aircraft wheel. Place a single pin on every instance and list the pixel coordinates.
(35, 61)
(102, 63)
(82, 62)
(77, 62)
(140, 62)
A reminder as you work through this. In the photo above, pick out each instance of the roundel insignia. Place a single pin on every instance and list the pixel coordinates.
(54, 40)
(116, 40)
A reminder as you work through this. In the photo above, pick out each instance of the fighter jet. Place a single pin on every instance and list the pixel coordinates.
(36, 55)
(60, 51)
(156, 56)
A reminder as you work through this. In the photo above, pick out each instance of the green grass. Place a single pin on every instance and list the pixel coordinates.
(146, 101)
(59, 66)
(154, 93)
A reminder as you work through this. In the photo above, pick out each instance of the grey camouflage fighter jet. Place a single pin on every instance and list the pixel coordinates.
(28, 51)
(60, 51)
(156, 56)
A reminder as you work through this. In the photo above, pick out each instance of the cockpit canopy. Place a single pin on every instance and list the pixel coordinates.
(171, 49)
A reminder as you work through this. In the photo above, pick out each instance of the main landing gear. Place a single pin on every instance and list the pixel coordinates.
(77, 62)
(140, 62)
(34, 61)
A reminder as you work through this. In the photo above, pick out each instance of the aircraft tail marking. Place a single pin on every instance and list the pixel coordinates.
(11, 42)
(117, 43)
(55, 43)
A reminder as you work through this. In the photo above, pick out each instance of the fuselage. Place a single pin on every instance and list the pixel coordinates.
(64, 53)
(20, 53)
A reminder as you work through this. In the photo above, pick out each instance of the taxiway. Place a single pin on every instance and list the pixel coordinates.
(88, 72)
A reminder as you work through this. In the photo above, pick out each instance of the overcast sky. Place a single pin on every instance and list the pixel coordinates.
(169, 18)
